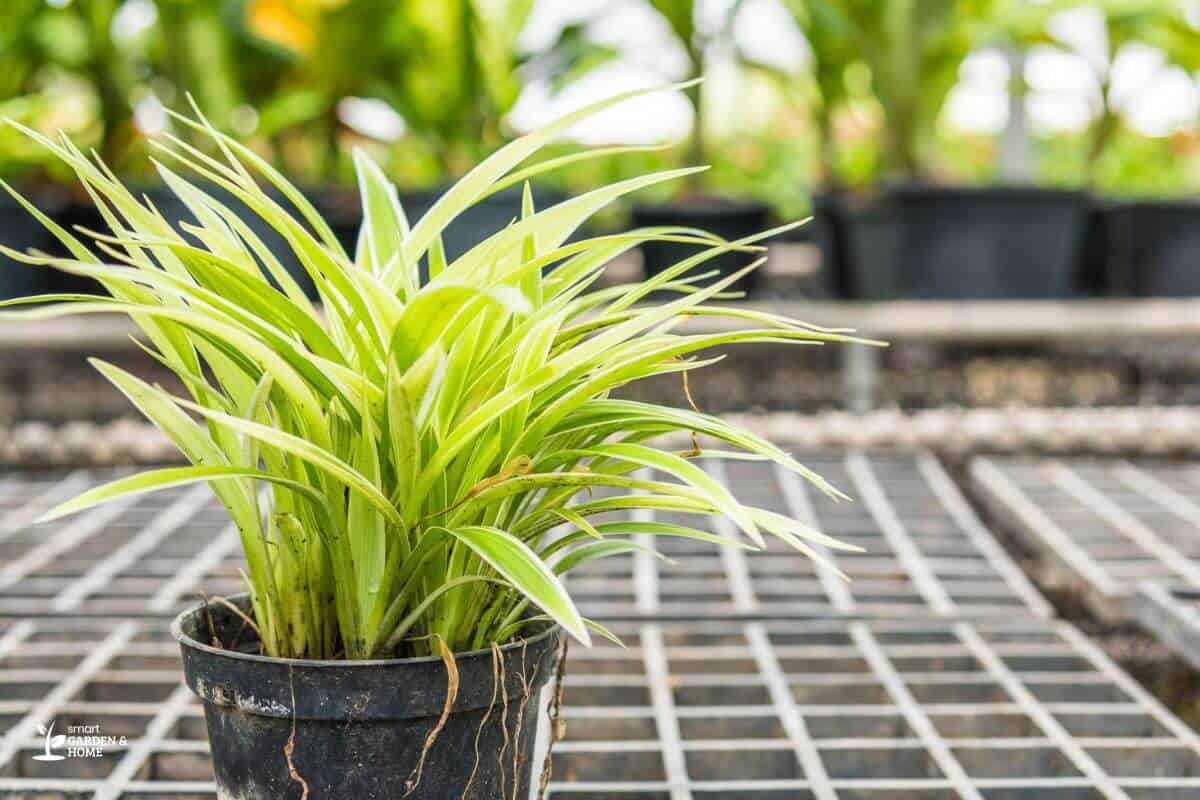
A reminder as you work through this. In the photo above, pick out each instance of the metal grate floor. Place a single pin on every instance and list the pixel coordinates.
(887, 710)
(147, 555)
(936, 673)
(925, 552)
(1172, 613)
(1102, 526)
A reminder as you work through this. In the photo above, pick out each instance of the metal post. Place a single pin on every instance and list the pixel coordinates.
(860, 374)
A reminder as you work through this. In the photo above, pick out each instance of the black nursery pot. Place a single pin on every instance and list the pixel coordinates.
(1153, 248)
(729, 219)
(20, 231)
(993, 243)
(858, 238)
(960, 243)
(357, 729)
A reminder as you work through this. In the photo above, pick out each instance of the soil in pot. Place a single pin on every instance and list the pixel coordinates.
(1154, 248)
(730, 219)
(21, 231)
(283, 729)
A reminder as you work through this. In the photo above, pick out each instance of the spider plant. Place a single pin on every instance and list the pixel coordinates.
(415, 461)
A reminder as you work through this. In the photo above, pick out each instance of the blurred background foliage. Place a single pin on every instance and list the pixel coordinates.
(799, 94)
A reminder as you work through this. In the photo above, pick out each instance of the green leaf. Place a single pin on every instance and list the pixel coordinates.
(366, 527)
(170, 477)
(306, 450)
(686, 471)
(528, 574)
(384, 225)
(402, 435)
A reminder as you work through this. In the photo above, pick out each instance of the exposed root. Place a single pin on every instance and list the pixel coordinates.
(414, 778)
(527, 682)
(290, 747)
(503, 713)
(246, 621)
(212, 626)
(558, 728)
(687, 391)
(497, 677)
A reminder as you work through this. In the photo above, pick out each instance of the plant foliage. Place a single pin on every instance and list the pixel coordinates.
(418, 459)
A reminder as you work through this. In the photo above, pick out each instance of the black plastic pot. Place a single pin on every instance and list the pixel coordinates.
(1094, 277)
(859, 238)
(21, 231)
(1153, 248)
(730, 219)
(948, 243)
(340, 209)
(356, 730)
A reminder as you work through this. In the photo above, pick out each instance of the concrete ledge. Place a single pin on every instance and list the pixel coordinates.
(996, 322)
(1140, 431)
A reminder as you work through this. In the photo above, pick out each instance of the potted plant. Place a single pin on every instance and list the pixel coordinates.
(411, 471)
(909, 238)
(1145, 246)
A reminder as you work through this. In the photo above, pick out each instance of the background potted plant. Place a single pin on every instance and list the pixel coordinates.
(695, 207)
(43, 49)
(907, 237)
(1145, 246)
(21, 165)
(695, 203)
(411, 471)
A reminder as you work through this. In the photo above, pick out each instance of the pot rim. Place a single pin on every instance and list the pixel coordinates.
(189, 642)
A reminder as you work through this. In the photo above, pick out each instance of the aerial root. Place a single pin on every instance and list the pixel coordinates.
(527, 682)
(290, 747)
(496, 653)
(414, 778)
(212, 626)
(497, 677)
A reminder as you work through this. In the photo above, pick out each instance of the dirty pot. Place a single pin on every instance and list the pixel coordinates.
(290, 729)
